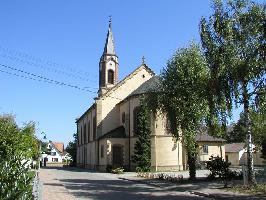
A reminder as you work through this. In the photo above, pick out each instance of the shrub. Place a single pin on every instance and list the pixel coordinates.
(161, 176)
(235, 175)
(18, 146)
(219, 168)
(119, 170)
(142, 169)
(15, 179)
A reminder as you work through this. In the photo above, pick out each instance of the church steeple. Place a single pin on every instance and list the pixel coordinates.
(108, 65)
(109, 47)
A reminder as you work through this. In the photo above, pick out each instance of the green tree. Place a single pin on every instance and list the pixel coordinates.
(237, 131)
(258, 127)
(258, 121)
(263, 148)
(182, 96)
(233, 39)
(17, 147)
(72, 149)
(17, 141)
(142, 153)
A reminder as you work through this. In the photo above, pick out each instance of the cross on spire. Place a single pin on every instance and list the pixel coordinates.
(143, 60)
(110, 20)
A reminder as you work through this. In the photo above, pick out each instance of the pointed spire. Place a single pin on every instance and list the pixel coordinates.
(109, 47)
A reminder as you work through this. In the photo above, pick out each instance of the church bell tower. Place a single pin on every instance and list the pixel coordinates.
(108, 65)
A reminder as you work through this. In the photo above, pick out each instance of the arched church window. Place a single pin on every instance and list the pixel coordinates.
(110, 76)
(123, 117)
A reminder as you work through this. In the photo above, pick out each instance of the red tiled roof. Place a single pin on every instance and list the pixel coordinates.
(234, 147)
(59, 146)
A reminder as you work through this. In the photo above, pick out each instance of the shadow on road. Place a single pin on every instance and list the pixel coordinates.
(119, 189)
(95, 186)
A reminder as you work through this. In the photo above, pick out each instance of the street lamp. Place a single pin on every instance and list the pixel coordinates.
(44, 135)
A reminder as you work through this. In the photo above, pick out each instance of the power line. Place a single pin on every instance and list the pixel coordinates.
(20, 54)
(41, 78)
(26, 77)
(31, 57)
(16, 59)
(39, 60)
(46, 80)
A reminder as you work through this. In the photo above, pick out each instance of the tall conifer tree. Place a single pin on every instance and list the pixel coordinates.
(142, 153)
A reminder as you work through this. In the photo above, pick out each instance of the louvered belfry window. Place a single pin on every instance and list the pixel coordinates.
(110, 76)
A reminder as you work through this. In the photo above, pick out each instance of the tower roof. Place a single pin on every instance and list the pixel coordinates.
(109, 47)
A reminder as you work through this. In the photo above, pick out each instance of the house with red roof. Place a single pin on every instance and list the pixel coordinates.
(56, 152)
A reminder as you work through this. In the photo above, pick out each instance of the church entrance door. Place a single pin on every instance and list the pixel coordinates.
(117, 155)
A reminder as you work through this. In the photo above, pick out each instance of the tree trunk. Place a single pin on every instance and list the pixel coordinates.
(251, 174)
(191, 164)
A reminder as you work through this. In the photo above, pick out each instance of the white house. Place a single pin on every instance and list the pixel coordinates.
(57, 152)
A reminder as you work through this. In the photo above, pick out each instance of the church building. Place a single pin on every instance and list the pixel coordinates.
(106, 135)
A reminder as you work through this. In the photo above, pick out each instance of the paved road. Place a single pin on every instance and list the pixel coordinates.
(77, 184)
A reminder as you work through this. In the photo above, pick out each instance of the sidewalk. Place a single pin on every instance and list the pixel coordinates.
(51, 188)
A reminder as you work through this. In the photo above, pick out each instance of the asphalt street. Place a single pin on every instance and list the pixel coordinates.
(74, 183)
(78, 184)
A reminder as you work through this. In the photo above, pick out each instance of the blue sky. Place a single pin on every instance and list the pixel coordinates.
(63, 40)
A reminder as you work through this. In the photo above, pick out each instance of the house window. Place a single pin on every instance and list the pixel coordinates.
(53, 153)
(123, 117)
(94, 128)
(135, 119)
(89, 130)
(54, 159)
(85, 133)
(102, 151)
(110, 76)
(205, 149)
